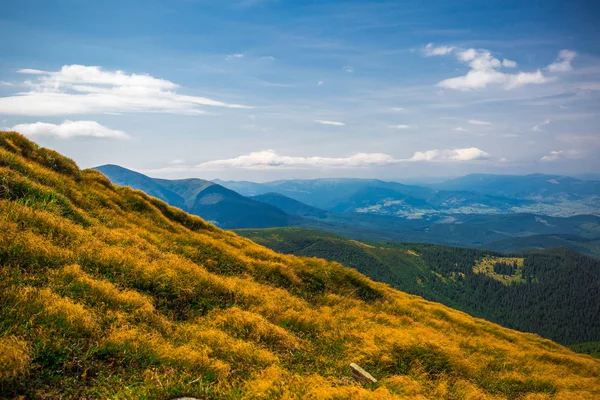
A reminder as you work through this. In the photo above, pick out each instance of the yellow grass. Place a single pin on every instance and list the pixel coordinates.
(108, 293)
(486, 266)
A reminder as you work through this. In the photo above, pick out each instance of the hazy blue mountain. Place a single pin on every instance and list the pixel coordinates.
(472, 194)
(206, 199)
(125, 177)
(327, 193)
(245, 188)
(508, 232)
(291, 206)
(524, 186)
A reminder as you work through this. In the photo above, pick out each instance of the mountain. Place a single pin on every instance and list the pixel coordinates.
(555, 293)
(577, 243)
(502, 232)
(206, 199)
(106, 292)
(550, 195)
(524, 186)
(125, 177)
(291, 206)
(331, 194)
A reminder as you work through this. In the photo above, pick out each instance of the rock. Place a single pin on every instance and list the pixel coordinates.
(361, 375)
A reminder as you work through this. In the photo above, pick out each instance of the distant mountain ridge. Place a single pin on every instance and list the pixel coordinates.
(374, 210)
(211, 201)
(552, 195)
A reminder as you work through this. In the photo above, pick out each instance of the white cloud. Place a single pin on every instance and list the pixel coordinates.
(177, 162)
(79, 89)
(234, 56)
(554, 156)
(485, 70)
(478, 122)
(563, 62)
(69, 129)
(400, 126)
(334, 123)
(431, 50)
(509, 63)
(5, 83)
(459, 129)
(559, 155)
(467, 154)
(539, 127)
(270, 159)
(397, 109)
(320, 83)
(348, 68)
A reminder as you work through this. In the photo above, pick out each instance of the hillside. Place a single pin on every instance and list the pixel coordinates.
(109, 293)
(555, 293)
(206, 199)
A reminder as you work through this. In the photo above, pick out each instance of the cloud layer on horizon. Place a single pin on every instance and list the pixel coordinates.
(270, 159)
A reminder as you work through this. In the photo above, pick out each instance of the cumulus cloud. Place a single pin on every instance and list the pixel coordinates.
(401, 126)
(69, 129)
(539, 127)
(431, 50)
(334, 123)
(467, 154)
(478, 122)
(509, 63)
(485, 70)
(80, 89)
(563, 62)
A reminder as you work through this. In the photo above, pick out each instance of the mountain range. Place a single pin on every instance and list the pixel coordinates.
(375, 210)
(211, 201)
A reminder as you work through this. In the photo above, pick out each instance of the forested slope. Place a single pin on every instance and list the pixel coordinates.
(555, 292)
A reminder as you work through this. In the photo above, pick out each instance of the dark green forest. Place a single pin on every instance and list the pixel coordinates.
(554, 293)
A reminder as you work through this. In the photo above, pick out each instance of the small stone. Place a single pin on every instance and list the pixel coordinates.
(361, 375)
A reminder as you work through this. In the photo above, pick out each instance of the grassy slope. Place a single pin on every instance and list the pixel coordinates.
(562, 302)
(106, 292)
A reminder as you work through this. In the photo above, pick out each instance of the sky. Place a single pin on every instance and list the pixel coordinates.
(276, 89)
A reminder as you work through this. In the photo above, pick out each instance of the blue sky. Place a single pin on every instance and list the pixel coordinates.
(271, 89)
